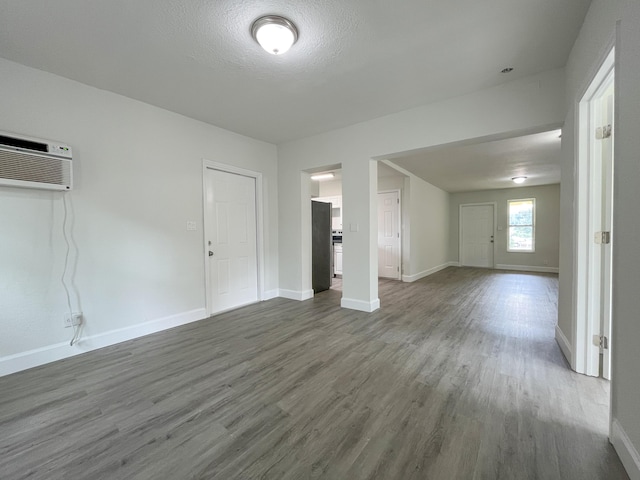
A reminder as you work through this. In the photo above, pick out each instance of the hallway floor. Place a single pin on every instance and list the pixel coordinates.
(457, 376)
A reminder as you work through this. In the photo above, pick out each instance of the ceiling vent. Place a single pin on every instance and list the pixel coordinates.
(34, 163)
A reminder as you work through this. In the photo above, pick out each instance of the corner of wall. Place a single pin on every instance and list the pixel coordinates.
(626, 451)
(564, 344)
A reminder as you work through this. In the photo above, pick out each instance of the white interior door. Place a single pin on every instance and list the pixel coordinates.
(389, 235)
(607, 216)
(476, 235)
(231, 239)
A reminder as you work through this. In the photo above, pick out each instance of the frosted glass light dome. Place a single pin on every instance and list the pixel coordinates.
(275, 34)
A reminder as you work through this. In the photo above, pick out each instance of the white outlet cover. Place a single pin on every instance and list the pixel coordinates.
(191, 225)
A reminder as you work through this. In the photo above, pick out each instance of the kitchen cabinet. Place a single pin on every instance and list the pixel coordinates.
(337, 259)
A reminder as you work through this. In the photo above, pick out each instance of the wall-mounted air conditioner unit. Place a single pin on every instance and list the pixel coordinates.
(34, 163)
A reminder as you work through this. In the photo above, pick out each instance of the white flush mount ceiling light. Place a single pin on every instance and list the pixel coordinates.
(322, 176)
(274, 33)
(519, 180)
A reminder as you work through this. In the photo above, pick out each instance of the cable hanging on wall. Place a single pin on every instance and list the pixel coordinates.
(75, 319)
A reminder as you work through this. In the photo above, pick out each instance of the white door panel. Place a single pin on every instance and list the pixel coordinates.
(476, 233)
(389, 235)
(607, 224)
(231, 239)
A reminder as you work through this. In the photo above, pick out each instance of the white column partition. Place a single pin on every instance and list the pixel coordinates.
(360, 234)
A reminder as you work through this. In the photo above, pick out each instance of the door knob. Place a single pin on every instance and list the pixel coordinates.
(210, 253)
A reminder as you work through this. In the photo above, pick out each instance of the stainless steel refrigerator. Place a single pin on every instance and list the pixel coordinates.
(320, 246)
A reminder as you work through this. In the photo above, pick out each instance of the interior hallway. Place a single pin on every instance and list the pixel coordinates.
(457, 376)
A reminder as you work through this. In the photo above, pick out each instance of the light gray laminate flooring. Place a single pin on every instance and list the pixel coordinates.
(457, 376)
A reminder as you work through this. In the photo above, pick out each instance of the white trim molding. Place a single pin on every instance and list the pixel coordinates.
(430, 271)
(527, 268)
(299, 295)
(360, 305)
(564, 344)
(269, 294)
(626, 451)
(59, 351)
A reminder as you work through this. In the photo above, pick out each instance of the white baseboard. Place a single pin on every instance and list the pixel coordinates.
(269, 294)
(51, 353)
(565, 345)
(426, 273)
(296, 294)
(626, 451)
(527, 268)
(360, 305)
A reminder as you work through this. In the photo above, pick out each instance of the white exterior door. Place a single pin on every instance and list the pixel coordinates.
(231, 239)
(389, 235)
(476, 234)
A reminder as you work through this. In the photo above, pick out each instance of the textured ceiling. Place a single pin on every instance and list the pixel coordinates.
(489, 165)
(355, 60)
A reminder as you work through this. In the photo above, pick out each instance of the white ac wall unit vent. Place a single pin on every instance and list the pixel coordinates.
(34, 163)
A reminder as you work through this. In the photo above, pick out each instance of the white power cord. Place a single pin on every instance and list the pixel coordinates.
(76, 328)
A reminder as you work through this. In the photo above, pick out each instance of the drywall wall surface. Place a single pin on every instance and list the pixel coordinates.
(390, 183)
(331, 188)
(530, 104)
(429, 228)
(138, 180)
(606, 21)
(547, 225)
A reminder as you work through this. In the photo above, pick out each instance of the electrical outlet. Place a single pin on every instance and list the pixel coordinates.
(73, 320)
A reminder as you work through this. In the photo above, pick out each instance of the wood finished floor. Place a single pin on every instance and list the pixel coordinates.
(458, 376)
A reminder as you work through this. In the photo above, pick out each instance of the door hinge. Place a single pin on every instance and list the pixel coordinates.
(398, 234)
(602, 238)
(398, 268)
(601, 342)
(603, 132)
(398, 201)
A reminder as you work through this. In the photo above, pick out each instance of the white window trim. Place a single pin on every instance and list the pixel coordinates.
(533, 225)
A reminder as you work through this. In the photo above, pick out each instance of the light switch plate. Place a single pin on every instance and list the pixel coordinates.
(353, 227)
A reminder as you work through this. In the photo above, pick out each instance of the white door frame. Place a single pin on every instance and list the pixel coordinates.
(211, 165)
(495, 223)
(400, 261)
(586, 288)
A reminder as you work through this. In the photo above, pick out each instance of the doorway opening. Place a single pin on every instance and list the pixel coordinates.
(325, 188)
(594, 200)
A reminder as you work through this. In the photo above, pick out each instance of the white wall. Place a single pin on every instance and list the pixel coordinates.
(608, 20)
(138, 174)
(526, 105)
(547, 236)
(330, 188)
(429, 212)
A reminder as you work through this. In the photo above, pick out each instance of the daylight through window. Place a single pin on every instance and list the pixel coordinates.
(522, 217)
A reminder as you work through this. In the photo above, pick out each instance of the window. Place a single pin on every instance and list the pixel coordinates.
(522, 216)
